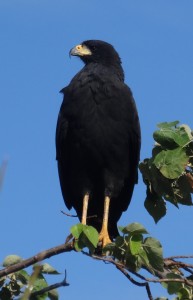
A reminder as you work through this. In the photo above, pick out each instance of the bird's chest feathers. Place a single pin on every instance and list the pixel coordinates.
(92, 94)
(92, 107)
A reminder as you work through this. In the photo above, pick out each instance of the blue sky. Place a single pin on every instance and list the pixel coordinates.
(155, 42)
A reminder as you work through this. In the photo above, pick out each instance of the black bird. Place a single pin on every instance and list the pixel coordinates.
(98, 140)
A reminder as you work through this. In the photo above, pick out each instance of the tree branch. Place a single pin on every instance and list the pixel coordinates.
(122, 269)
(76, 216)
(178, 256)
(172, 263)
(69, 246)
(68, 215)
(51, 287)
(66, 247)
(146, 284)
(121, 266)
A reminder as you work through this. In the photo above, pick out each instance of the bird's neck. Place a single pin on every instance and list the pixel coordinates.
(116, 69)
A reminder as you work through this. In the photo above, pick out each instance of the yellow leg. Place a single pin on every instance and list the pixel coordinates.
(84, 209)
(104, 236)
(84, 216)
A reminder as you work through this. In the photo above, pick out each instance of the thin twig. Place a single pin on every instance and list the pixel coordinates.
(188, 270)
(31, 282)
(182, 280)
(178, 256)
(76, 216)
(149, 291)
(171, 262)
(68, 215)
(51, 287)
(121, 267)
(130, 278)
(144, 284)
(90, 217)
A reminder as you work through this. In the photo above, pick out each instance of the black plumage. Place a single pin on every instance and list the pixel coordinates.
(98, 136)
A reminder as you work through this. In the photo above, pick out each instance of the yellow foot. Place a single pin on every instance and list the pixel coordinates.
(104, 238)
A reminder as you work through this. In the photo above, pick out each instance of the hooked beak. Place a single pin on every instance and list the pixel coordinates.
(80, 50)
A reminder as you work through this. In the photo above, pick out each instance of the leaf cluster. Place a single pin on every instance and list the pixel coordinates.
(168, 174)
(131, 249)
(134, 251)
(130, 252)
(22, 284)
(182, 291)
(85, 236)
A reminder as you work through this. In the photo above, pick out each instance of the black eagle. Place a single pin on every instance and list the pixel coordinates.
(98, 140)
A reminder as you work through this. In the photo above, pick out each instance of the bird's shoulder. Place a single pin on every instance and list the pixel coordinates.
(97, 92)
(97, 82)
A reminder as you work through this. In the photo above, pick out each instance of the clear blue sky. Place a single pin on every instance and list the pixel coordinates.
(155, 42)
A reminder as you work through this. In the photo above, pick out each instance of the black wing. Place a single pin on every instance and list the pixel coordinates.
(61, 134)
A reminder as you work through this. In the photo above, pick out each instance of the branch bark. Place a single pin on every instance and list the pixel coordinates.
(66, 247)
(52, 287)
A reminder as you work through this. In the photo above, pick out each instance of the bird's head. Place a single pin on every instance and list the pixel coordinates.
(96, 51)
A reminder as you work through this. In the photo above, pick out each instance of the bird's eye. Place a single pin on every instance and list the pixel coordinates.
(93, 48)
(78, 47)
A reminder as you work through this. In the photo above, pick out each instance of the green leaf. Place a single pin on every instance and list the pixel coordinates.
(48, 269)
(173, 287)
(188, 130)
(15, 287)
(134, 228)
(135, 243)
(171, 137)
(120, 248)
(79, 245)
(5, 294)
(168, 124)
(155, 205)
(87, 237)
(120, 228)
(171, 163)
(144, 257)
(117, 249)
(11, 260)
(133, 262)
(53, 295)
(76, 230)
(184, 294)
(91, 234)
(119, 241)
(2, 280)
(154, 253)
(39, 284)
(83, 240)
(39, 297)
(184, 135)
(145, 169)
(109, 248)
(22, 276)
(182, 190)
